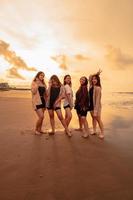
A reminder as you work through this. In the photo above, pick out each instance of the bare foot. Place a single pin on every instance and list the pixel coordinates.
(93, 133)
(86, 135)
(37, 133)
(101, 136)
(68, 133)
(43, 132)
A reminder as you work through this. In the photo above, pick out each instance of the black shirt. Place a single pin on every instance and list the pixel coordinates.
(54, 93)
(41, 90)
(91, 106)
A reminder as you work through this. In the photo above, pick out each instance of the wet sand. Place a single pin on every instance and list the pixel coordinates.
(57, 167)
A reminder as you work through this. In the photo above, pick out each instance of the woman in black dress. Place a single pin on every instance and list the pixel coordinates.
(56, 93)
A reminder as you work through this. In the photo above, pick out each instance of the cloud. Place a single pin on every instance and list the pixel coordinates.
(61, 60)
(15, 61)
(81, 57)
(119, 59)
(64, 60)
(13, 73)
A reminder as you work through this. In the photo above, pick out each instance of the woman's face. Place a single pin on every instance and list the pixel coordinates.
(94, 80)
(82, 81)
(68, 80)
(54, 82)
(41, 77)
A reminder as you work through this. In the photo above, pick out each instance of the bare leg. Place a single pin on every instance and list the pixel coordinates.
(52, 121)
(80, 124)
(40, 114)
(100, 123)
(94, 123)
(43, 110)
(68, 116)
(60, 117)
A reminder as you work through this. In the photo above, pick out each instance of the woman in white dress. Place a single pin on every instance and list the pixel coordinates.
(68, 101)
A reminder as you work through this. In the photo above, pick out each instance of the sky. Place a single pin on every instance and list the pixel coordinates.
(75, 37)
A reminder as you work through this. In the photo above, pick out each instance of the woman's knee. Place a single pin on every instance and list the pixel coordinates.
(69, 116)
(97, 118)
(83, 119)
(41, 117)
(60, 117)
(51, 115)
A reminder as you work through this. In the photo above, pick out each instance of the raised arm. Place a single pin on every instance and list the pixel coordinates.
(97, 73)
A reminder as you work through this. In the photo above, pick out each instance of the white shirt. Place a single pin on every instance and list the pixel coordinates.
(68, 91)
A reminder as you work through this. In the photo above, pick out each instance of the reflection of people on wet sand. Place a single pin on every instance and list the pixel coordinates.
(56, 93)
(38, 89)
(95, 103)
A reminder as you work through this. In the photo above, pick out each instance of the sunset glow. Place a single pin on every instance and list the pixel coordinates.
(60, 37)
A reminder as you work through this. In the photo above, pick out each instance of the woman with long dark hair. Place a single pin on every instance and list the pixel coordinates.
(38, 89)
(56, 93)
(68, 101)
(95, 103)
(81, 106)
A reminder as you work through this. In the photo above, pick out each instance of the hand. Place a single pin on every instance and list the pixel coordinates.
(71, 107)
(50, 83)
(55, 105)
(95, 113)
(99, 72)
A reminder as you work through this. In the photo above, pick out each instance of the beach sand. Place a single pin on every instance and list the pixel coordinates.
(57, 167)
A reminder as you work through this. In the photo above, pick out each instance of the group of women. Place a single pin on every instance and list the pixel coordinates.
(86, 100)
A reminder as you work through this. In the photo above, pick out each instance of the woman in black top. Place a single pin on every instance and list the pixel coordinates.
(42, 91)
(81, 106)
(91, 106)
(38, 89)
(54, 93)
(95, 103)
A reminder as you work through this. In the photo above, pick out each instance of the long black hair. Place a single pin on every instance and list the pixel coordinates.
(86, 80)
(56, 79)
